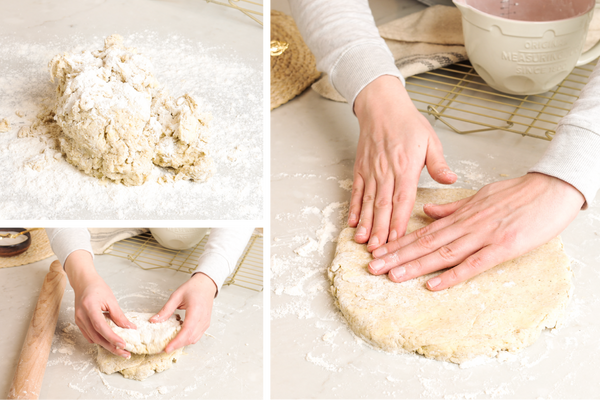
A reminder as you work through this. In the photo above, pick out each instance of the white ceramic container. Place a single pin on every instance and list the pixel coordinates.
(179, 238)
(526, 46)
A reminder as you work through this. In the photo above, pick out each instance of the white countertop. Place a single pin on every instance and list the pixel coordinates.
(313, 352)
(227, 362)
(210, 51)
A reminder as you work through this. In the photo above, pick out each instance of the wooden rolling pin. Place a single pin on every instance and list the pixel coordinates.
(36, 349)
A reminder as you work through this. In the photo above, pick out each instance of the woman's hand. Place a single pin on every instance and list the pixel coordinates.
(93, 298)
(500, 222)
(196, 296)
(395, 142)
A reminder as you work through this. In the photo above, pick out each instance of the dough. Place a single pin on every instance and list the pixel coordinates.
(504, 308)
(152, 364)
(109, 363)
(139, 366)
(116, 122)
(145, 343)
(4, 125)
(148, 338)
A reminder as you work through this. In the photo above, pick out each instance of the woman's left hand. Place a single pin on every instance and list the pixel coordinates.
(196, 297)
(501, 221)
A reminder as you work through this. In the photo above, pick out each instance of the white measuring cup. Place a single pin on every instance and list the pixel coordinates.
(526, 46)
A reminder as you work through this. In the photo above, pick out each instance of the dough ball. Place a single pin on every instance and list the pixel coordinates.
(148, 338)
(117, 123)
(502, 309)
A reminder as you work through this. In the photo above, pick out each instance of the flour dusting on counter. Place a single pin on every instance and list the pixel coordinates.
(303, 244)
(201, 368)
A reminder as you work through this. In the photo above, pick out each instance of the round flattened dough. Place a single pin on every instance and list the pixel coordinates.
(148, 338)
(504, 308)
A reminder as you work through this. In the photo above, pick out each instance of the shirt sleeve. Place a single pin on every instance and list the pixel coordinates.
(64, 241)
(221, 253)
(346, 43)
(574, 154)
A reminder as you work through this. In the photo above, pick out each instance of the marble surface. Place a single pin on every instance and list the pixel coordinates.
(210, 51)
(227, 362)
(313, 352)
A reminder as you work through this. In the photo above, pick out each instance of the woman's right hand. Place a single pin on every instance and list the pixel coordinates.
(395, 143)
(93, 298)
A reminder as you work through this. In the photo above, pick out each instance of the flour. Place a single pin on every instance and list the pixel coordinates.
(300, 274)
(473, 174)
(42, 185)
(311, 210)
(307, 248)
(322, 363)
(162, 389)
(191, 388)
(328, 337)
(470, 175)
(123, 392)
(326, 233)
(75, 387)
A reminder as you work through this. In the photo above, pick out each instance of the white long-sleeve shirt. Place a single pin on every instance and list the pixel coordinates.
(221, 253)
(346, 43)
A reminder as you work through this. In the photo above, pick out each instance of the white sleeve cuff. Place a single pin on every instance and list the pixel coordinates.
(222, 251)
(572, 156)
(215, 266)
(359, 66)
(64, 241)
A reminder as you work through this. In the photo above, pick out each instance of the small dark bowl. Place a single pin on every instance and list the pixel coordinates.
(15, 249)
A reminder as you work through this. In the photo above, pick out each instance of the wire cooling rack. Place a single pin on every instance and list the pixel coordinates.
(144, 251)
(252, 9)
(457, 96)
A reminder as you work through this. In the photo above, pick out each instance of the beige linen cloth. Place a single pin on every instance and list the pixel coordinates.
(428, 40)
(102, 238)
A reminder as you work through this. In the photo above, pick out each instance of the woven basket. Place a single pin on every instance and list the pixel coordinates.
(295, 69)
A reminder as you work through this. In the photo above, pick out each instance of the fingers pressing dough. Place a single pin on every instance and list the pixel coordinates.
(502, 309)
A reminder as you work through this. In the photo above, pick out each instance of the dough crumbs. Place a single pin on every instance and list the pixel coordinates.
(112, 120)
(346, 184)
(4, 125)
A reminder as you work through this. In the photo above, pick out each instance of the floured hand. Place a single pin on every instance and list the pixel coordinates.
(395, 142)
(500, 222)
(196, 297)
(93, 298)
